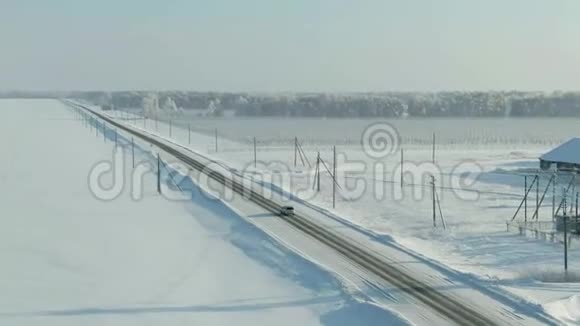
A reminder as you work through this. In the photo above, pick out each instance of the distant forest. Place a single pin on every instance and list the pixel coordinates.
(388, 105)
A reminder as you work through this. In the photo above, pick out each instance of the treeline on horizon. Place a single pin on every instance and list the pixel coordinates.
(355, 105)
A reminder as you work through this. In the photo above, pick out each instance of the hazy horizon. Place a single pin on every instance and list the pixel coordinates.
(273, 92)
(300, 47)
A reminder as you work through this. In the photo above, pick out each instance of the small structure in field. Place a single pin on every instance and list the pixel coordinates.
(563, 165)
(565, 157)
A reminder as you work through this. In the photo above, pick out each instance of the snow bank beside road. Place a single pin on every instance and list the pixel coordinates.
(566, 310)
(69, 258)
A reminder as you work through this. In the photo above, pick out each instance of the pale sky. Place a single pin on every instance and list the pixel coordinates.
(292, 45)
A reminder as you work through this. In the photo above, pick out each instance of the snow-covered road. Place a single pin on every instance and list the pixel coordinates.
(68, 258)
(475, 247)
(502, 306)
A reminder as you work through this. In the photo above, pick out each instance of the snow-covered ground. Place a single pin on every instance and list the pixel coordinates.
(475, 242)
(70, 258)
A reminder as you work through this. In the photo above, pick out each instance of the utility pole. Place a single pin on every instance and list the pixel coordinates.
(133, 151)
(189, 133)
(334, 177)
(554, 198)
(402, 168)
(295, 150)
(565, 242)
(576, 216)
(255, 154)
(116, 138)
(538, 197)
(434, 209)
(170, 124)
(433, 185)
(158, 173)
(565, 218)
(572, 198)
(318, 171)
(216, 140)
(526, 198)
(433, 148)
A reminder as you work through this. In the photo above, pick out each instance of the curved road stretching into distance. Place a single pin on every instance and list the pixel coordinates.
(448, 307)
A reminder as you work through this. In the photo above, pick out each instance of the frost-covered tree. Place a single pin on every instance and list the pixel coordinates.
(151, 105)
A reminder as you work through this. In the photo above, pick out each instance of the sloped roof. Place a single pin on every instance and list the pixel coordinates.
(568, 152)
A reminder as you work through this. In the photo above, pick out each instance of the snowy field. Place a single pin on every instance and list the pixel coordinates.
(497, 153)
(69, 258)
(331, 131)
